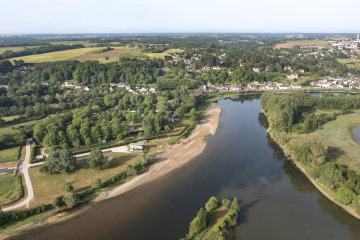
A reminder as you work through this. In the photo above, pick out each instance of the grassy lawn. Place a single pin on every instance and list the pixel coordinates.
(58, 56)
(20, 223)
(291, 44)
(9, 155)
(161, 55)
(4, 86)
(338, 136)
(350, 63)
(47, 187)
(10, 189)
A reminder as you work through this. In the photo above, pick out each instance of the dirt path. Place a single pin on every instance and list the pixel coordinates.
(24, 168)
(176, 155)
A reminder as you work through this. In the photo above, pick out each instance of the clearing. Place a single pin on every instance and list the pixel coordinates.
(350, 63)
(14, 49)
(47, 187)
(163, 54)
(10, 189)
(337, 135)
(291, 44)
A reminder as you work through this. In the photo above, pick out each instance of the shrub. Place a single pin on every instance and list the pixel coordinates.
(97, 160)
(226, 203)
(58, 202)
(70, 199)
(344, 195)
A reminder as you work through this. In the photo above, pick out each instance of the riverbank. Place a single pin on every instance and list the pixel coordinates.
(175, 156)
(348, 209)
(170, 159)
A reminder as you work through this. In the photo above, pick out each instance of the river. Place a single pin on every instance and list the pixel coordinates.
(276, 200)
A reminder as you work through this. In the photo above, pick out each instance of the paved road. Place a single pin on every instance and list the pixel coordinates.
(24, 168)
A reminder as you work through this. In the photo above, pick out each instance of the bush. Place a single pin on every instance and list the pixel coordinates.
(58, 202)
(97, 183)
(344, 195)
(199, 223)
(69, 188)
(226, 203)
(70, 199)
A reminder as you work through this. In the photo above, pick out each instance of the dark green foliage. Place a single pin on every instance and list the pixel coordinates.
(69, 188)
(59, 162)
(58, 202)
(97, 183)
(13, 216)
(226, 203)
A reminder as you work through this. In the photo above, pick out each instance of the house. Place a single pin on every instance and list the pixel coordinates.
(68, 84)
(136, 146)
(216, 68)
(39, 157)
(293, 76)
(287, 68)
(255, 69)
(296, 86)
(302, 70)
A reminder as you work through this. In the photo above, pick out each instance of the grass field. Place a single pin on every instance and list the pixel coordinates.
(14, 49)
(10, 189)
(10, 118)
(291, 44)
(9, 155)
(338, 136)
(58, 56)
(85, 43)
(13, 128)
(350, 63)
(47, 187)
(161, 55)
(101, 56)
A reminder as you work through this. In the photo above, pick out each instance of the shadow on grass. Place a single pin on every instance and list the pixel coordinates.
(334, 153)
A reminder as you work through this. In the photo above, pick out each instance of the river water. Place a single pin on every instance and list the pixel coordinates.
(276, 200)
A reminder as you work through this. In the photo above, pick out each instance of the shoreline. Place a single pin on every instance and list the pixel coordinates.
(176, 156)
(168, 160)
(347, 209)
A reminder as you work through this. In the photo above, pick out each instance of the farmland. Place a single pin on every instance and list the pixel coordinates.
(292, 44)
(350, 63)
(161, 55)
(14, 49)
(101, 56)
(58, 56)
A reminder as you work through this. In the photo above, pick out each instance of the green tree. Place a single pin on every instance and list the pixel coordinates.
(69, 188)
(212, 204)
(70, 199)
(97, 160)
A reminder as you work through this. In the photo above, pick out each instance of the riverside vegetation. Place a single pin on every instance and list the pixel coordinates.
(304, 126)
(216, 221)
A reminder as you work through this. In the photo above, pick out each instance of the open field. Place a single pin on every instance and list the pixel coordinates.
(350, 63)
(85, 43)
(47, 187)
(13, 128)
(14, 49)
(161, 55)
(58, 56)
(9, 155)
(112, 55)
(10, 189)
(337, 135)
(10, 118)
(291, 44)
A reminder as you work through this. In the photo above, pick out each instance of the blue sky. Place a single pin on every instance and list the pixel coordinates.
(149, 16)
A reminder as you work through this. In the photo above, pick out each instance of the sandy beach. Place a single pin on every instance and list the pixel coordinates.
(175, 156)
